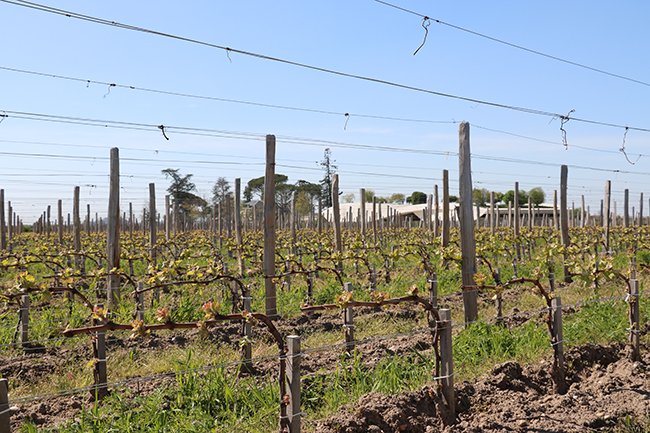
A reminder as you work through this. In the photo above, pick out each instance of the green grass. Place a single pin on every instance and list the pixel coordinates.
(218, 401)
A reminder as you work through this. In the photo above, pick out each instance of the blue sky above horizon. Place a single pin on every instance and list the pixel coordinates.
(361, 37)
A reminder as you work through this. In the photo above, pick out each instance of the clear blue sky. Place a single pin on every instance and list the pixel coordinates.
(361, 37)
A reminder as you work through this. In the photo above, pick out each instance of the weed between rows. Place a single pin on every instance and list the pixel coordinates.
(219, 401)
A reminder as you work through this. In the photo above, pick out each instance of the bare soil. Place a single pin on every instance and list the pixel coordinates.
(605, 388)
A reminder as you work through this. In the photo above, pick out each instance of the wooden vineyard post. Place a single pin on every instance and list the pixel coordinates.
(606, 212)
(48, 219)
(429, 219)
(445, 208)
(374, 220)
(130, 220)
(76, 221)
(447, 366)
(436, 211)
(517, 220)
(167, 218)
(556, 220)
(24, 322)
(433, 290)
(467, 240)
(635, 320)
(59, 227)
(626, 208)
(348, 324)
(493, 220)
(5, 411)
(238, 235)
(153, 234)
(3, 227)
(87, 219)
(641, 210)
(139, 302)
(362, 220)
(557, 341)
(564, 218)
(177, 224)
(337, 220)
(113, 240)
(583, 212)
(294, 414)
(247, 331)
(293, 222)
(100, 390)
(269, 229)
(9, 222)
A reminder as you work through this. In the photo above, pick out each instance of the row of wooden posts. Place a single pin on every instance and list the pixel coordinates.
(222, 219)
(293, 411)
(466, 221)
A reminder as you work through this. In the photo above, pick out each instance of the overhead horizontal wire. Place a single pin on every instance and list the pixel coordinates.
(230, 50)
(228, 100)
(259, 137)
(514, 45)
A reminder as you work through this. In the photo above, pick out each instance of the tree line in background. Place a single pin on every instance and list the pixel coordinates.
(307, 194)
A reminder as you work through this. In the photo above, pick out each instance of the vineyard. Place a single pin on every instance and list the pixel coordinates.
(252, 323)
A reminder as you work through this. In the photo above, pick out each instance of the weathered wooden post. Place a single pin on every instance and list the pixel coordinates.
(153, 232)
(168, 222)
(374, 220)
(24, 322)
(10, 213)
(635, 320)
(348, 323)
(294, 414)
(60, 221)
(517, 220)
(238, 232)
(269, 229)
(362, 193)
(87, 222)
(76, 220)
(445, 208)
(5, 410)
(337, 220)
(3, 227)
(564, 218)
(436, 211)
(100, 390)
(606, 213)
(48, 221)
(139, 301)
(113, 240)
(556, 219)
(626, 208)
(467, 240)
(293, 222)
(641, 210)
(557, 342)
(247, 331)
(429, 213)
(433, 289)
(176, 216)
(447, 365)
(493, 218)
